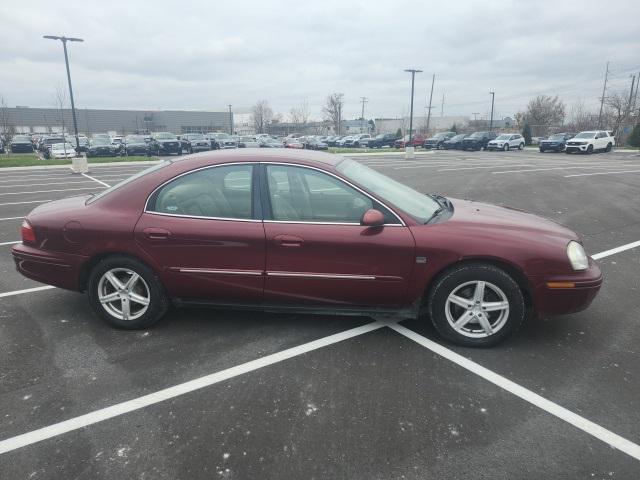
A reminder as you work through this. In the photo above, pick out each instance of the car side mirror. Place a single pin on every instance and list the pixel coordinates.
(372, 218)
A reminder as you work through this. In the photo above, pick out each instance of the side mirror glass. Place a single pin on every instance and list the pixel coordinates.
(372, 218)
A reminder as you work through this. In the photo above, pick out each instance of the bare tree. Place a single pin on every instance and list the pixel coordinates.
(580, 118)
(60, 100)
(261, 115)
(5, 123)
(543, 112)
(300, 115)
(332, 111)
(617, 107)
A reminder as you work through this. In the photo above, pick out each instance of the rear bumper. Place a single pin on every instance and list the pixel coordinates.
(559, 300)
(20, 148)
(53, 268)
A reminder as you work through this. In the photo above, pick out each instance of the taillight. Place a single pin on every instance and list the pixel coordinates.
(27, 232)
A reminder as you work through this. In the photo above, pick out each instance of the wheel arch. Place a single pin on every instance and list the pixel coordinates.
(513, 270)
(90, 264)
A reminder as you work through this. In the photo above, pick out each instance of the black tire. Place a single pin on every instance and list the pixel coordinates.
(159, 302)
(506, 147)
(452, 279)
(521, 146)
(542, 150)
(609, 147)
(190, 150)
(589, 149)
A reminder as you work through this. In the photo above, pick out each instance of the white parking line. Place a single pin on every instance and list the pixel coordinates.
(613, 251)
(22, 203)
(43, 184)
(49, 191)
(26, 290)
(10, 243)
(525, 394)
(96, 180)
(601, 173)
(11, 218)
(558, 168)
(91, 418)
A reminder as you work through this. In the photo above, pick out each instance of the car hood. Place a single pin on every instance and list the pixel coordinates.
(509, 221)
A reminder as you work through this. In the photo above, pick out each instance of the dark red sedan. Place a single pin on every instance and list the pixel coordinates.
(303, 231)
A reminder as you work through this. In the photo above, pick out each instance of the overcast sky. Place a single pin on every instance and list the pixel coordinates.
(205, 55)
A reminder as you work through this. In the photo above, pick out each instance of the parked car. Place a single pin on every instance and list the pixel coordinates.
(271, 143)
(246, 141)
(591, 141)
(383, 140)
(555, 143)
(454, 143)
(364, 243)
(478, 140)
(102, 147)
(342, 141)
(83, 142)
(61, 150)
(102, 135)
(315, 144)
(135, 145)
(164, 143)
(195, 142)
(21, 144)
(331, 140)
(358, 140)
(293, 143)
(1, 146)
(506, 141)
(216, 139)
(437, 141)
(46, 142)
(417, 139)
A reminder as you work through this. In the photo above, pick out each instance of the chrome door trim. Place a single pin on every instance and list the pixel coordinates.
(221, 271)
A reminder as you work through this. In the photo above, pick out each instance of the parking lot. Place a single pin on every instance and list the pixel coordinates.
(248, 395)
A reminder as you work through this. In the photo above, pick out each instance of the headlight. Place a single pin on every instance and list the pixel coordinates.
(577, 256)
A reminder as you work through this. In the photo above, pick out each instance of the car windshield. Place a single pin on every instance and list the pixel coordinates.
(477, 135)
(164, 136)
(585, 135)
(51, 141)
(247, 139)
(419, 206)
(194, 136)
(100, 141)
(134, 139)
(558, 136)
(503, 137)
(62, 146)
(21, 138)
(129, 180)
(458, 137)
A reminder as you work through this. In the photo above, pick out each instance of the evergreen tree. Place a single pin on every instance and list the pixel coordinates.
(399, 133)
(634, 138)
(526, 133)
(454, 128)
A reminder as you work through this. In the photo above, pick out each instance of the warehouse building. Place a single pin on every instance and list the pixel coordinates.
(55, 120)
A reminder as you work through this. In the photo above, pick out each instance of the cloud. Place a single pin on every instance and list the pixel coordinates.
(205, 55)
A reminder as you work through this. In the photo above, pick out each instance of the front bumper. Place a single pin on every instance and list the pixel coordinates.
(576, 148)
(200, 148)
(53, 268)
(553, 295)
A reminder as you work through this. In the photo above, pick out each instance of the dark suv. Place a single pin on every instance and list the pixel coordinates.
(478, 140)
(164, 143)
(383, 140)
(556, 142)
(437, 141)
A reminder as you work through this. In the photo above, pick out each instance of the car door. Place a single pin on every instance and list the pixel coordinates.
(317, 251)
(205, 229)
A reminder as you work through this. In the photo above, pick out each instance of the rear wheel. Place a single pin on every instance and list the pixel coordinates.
(126, 293)
(476, 305)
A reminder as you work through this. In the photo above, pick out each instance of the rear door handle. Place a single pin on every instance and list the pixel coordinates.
(288, 240)
(156, 233)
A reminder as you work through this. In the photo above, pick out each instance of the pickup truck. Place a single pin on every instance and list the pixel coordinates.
(588, 142)
(383, 140)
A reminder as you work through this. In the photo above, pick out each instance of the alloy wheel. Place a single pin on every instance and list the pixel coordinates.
(477, 309)
(124, 294)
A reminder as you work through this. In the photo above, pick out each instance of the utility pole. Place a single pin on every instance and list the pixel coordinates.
(64, 41)
(604, 89)
(230, 121)
(363, 100)
(409, 150)
(475, 116)
(493, 97)
(433, 80)
(442, 107)
(633, 82)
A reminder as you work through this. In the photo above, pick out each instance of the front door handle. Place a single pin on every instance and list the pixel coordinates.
(156, 233)
(288, 240)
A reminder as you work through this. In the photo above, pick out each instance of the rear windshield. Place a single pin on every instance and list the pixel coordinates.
(129, 180)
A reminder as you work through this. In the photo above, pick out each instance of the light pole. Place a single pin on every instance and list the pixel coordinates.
(493, 97)
(230, 121)
(413, 76)
(64, 41)
(365, 100)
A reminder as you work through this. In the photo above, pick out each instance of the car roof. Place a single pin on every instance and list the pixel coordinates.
(302, 157)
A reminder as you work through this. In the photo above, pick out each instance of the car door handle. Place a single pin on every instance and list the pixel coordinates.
(156, 233)
(288, 240)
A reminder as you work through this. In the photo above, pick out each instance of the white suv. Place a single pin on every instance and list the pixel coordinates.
(588, 142)
(506, 141)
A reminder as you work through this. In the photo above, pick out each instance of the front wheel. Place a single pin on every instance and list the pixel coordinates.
(589, 149)
(506, 147)
(521, 146)
(609, 147)
(476, 305)
(126, 293)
